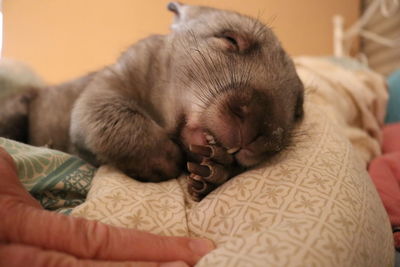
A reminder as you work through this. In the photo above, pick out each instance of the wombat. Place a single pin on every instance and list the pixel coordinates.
(215, 96)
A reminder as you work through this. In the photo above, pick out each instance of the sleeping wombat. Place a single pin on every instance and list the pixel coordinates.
(218, 92)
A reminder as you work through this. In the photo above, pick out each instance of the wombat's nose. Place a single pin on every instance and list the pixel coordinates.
(240, 111)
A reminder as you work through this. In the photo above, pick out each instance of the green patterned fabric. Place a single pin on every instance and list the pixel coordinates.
(57, 180)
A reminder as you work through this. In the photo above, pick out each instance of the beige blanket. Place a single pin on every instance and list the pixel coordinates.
(353, 98)
(314, 205)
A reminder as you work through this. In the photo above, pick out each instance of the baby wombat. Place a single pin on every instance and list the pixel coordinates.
(217, 95)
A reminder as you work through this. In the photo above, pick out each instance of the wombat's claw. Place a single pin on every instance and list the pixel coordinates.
(201, 170)
(197, 184)
(209, 171)
(212, 170)
(215, 153)
(198, 188)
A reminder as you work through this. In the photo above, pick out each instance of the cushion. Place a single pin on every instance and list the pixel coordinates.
(313, 205)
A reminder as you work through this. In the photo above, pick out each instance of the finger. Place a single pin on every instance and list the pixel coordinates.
(11, 188)
(94, 240)
(5, 158)
(23, 255)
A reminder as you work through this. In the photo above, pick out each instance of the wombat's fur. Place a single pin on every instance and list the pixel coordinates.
(218, 91)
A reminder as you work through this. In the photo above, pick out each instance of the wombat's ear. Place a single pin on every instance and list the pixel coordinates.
(177, 8)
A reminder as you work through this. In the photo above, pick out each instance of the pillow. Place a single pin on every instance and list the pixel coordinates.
(313, 205)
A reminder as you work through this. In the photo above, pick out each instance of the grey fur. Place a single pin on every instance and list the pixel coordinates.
(217, 72)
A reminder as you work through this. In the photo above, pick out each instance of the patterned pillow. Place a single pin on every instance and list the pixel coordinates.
(314, 205)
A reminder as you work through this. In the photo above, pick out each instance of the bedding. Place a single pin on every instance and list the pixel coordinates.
(313, 205)
(385, 173)
(353, 97)
(393, 109)
(57, 180)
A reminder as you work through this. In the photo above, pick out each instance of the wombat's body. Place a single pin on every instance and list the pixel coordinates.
(218, 91)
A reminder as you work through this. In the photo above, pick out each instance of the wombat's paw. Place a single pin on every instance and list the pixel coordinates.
(215, 168)
(166, 162)
(163, 162)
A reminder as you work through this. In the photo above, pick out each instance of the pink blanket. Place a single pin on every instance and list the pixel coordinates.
(385, 172)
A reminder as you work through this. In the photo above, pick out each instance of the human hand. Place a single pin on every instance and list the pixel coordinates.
(30, 235)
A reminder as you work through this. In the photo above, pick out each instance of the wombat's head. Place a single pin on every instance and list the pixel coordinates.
(238, 84)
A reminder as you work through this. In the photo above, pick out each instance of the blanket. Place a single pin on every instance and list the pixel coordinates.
(385, 173)
(355, 99)
(58, 180)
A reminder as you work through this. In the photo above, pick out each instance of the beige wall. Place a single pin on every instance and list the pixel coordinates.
(62, 39)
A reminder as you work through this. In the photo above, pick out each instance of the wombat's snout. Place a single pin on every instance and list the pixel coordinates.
(234, 120)
(240, 110)
(244, 123)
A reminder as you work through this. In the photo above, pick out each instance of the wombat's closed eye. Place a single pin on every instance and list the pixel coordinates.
(234, 42)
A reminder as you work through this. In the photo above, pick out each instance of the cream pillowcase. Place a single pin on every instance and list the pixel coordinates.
(314, 205)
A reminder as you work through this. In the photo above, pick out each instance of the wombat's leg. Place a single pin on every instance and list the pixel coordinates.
(215, 168)
(116, 131)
